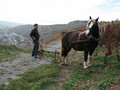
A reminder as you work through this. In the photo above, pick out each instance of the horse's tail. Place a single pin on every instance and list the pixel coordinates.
(64, 47)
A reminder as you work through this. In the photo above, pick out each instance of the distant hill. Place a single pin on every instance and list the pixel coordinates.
(77, 22)
(47, 32)
(13, 39)
(6, 24)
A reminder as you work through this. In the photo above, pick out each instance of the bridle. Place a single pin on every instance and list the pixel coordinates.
(89, 27)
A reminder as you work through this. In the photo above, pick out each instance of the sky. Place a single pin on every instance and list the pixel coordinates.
(47, 12)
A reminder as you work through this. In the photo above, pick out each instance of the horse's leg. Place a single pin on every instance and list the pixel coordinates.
(89, 58)
(63, 60)
(64, 52)
(66, 59)
(85, 59)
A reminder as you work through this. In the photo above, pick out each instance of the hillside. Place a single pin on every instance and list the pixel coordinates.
(15, 61)
(47, 32)
(13, 38)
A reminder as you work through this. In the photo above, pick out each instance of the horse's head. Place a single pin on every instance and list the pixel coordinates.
(93, 27)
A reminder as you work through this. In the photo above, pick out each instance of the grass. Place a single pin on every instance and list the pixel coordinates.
(9, 52)
(97, 77)
(36, 79)
(48, 54)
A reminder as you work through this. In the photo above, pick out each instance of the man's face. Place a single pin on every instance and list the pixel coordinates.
(36, 26)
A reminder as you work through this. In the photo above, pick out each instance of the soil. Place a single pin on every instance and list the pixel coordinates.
(24, 62)
(66, 71)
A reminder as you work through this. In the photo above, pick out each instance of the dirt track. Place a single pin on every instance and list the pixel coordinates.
(19, 65)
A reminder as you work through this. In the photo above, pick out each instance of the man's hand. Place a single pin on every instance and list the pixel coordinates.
(33, 39)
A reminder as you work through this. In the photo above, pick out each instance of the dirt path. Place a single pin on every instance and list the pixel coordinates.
(17, 66)
(53, 46)
(66, 71)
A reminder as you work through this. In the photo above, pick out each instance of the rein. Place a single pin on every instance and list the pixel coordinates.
(96, 39)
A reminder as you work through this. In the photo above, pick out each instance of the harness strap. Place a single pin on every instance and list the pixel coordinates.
(83, 40)
(96, 39)
(89, 38)
(79, 37)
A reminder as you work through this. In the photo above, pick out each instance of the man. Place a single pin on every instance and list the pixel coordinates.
(35, 37)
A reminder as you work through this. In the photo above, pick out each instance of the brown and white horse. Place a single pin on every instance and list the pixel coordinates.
(85, 41)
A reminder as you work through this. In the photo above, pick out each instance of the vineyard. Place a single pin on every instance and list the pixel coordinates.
(110, 33)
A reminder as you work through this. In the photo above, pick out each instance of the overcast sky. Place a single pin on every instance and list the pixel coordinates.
(46, 12)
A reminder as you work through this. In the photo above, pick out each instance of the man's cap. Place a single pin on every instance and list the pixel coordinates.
(35, 24)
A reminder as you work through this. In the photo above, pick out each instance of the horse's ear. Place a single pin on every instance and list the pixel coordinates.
(97, 19)
(90, 17)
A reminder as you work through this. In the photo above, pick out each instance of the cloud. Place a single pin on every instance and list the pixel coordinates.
(57, 11)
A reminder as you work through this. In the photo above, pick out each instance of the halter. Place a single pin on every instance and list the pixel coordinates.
(89, 27)
(89, 24)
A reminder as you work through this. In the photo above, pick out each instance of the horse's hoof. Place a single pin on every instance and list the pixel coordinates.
(85, 67)
(89, 65)
(61, 64)
(66, 64)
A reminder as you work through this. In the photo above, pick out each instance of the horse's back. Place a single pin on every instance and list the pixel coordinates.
(70, 36)
(74, 40)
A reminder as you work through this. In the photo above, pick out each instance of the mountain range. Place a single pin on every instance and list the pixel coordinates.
(47, 32)
(7, 24)
(13, 39)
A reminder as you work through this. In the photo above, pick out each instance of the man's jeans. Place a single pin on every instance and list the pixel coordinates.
(35, 48)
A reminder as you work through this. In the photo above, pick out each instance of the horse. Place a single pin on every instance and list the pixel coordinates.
(86, 41)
